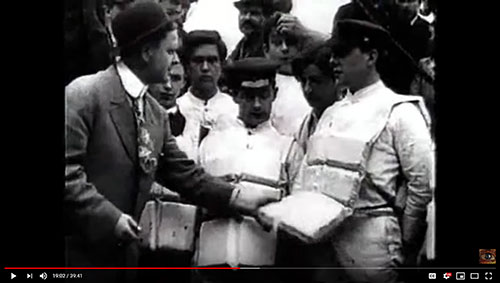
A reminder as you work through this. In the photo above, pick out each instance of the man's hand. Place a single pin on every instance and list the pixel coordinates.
(290, 25)
(126, 228)
(413, 233)
(248, 200)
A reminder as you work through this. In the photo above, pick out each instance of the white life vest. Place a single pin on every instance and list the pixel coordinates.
(338, 152)
(255, 161)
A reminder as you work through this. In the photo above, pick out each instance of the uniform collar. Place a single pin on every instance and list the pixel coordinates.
(197, 101)
(131, 83)
(260, 128)
(365, 92)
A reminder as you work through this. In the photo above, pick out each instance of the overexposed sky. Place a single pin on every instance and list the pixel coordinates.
(222, 16)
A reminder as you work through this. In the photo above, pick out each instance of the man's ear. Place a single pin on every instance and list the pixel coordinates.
(275, 92)
(265, 48)
(147, 53)
(372, 57)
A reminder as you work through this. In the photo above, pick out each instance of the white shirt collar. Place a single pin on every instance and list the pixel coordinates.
(131, 83)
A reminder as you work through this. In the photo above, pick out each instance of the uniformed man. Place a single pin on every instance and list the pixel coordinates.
(290, 106)
(410, 37)
(203, 56)
(377, 140)
(246, 149)
(313, 70)
(319, 85)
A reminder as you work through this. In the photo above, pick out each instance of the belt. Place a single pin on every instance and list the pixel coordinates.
(374, 211)
(244, 177)
(332, 163)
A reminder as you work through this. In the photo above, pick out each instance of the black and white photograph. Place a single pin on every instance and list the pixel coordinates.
(249, 140)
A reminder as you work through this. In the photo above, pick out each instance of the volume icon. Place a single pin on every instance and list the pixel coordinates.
(43, 276)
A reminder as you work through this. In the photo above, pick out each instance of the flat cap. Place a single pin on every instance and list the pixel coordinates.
(350, 33)
(251, 72)
(137, 22)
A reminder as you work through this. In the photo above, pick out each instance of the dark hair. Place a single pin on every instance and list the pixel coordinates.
(154, 38)
(318, 55)
(284, 6)
(196, 38)
(174, 2)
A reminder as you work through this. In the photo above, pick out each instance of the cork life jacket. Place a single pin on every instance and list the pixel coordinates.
(255, 161)
(337, 155)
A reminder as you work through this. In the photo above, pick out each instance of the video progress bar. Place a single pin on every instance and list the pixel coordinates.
(376, 268)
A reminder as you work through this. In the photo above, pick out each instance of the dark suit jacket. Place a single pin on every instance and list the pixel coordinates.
(103, 178)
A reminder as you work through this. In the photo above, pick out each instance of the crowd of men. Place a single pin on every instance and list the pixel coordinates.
(157, 113)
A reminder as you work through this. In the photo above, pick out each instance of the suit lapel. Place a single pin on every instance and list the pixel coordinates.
(123, 118)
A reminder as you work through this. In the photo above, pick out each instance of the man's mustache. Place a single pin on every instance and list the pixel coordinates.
(249, 23)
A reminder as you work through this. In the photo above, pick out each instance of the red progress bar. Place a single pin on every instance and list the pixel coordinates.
(121, 268)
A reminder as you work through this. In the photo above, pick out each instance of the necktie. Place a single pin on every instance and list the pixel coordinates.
(144, 143)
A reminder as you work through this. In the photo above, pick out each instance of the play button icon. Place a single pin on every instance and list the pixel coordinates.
(12, 276)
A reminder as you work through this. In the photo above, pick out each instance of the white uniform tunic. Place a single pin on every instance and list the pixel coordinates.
(201, 112)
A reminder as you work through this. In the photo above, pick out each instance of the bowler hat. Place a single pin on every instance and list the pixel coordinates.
(137, 22)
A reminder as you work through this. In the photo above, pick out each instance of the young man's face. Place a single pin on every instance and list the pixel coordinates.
(205, 68)
(167, 93)
(351, 67)
(255, 105)
(173, 10)
(281, 48)
(319, 89)
(251, 20)
(163, 57)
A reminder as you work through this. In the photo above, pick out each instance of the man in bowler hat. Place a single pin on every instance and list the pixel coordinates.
(118, 141)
